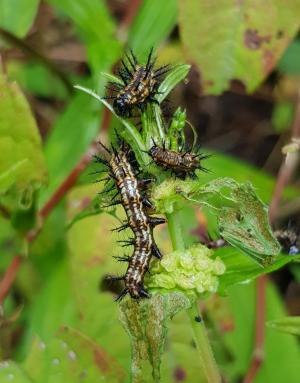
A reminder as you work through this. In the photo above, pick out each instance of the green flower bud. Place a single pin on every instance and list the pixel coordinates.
(162, 280)
(187, 262)
(218, 266)
(193, 270)
(169, 263)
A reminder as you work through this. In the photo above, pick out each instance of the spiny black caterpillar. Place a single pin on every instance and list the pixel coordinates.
(183, 163)
(140, 85)
(129, 190)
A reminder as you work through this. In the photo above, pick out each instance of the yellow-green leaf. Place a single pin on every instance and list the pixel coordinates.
(21, 158)
(241, 40)
(17, 16)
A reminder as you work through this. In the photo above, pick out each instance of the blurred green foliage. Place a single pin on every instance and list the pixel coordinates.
(17, 16)
(68, 327)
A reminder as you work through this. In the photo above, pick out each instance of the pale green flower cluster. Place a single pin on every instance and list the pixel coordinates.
(192, 269)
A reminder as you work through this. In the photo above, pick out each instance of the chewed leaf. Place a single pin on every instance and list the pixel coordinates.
(242, 216)
(140, 319)
(247, 227)
(290, 325)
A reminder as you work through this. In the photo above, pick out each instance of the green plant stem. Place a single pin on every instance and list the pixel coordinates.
(175, 231)
(207, 361)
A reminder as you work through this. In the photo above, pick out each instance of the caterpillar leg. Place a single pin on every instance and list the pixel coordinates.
(122, 295)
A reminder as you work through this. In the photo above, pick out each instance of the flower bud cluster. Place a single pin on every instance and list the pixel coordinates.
(193, 269)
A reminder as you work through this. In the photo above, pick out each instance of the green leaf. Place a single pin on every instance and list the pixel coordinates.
(110, 77)
(17, 16)
(289, 62)
(71, 357)
(11, 372)
(36, 79)
(282, 116)
(153, 23)
(236, 40)
(246, 226)
(241, 269)
(91, 261)
(177, 74)
(278, 366)
(21, 158)
(140, 319)
(55, 296)
(290, 325)
(69, 139)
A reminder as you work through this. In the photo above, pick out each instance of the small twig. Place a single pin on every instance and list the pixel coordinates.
(285, 173)
(287, 167)
(9, 277)
(69, 181)
(258, 353)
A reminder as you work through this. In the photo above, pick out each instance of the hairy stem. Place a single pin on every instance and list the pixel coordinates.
(206, 359)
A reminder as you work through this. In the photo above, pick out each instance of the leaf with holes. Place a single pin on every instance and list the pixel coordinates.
(242, 216)
(140, 319)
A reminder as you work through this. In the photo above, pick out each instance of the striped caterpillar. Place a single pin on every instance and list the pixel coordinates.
(139, 85)
(182, 163)
(135, 205)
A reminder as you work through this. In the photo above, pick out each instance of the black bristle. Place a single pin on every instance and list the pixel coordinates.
(140, 84)
(121, 167)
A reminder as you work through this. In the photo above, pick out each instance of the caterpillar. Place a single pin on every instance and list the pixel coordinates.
(129, 189)
(182, 163)
(139, 86)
